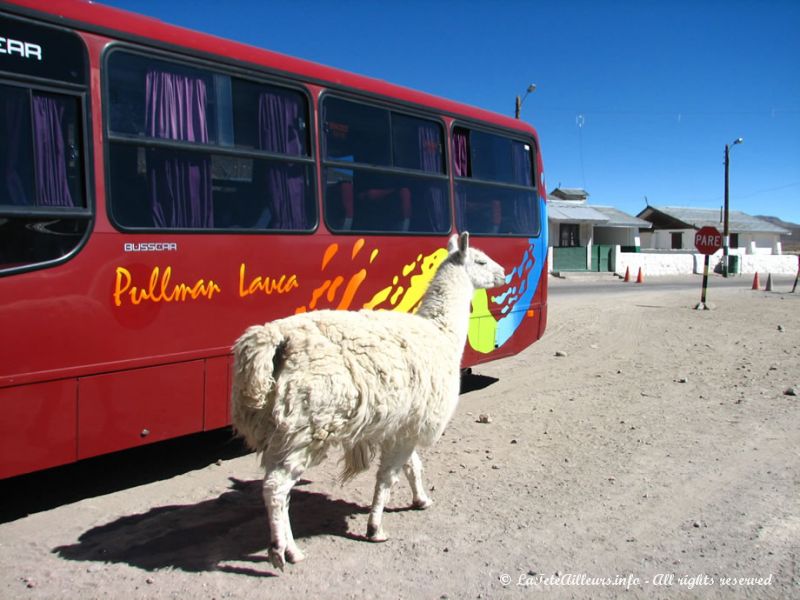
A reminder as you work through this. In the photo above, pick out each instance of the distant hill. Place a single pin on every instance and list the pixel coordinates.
(790, 243)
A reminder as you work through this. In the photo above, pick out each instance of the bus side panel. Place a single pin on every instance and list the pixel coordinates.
(508, 319)
(216, 413)
(37, 430)
(525, 335)
(140, 406)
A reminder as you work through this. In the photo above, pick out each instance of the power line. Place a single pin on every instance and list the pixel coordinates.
(759, 192)
(764, 191)
(678, 113)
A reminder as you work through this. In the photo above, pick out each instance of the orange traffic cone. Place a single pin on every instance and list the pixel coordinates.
(640, 276)
(756, 285)
(627, 274)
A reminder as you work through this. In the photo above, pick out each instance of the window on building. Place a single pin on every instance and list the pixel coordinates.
(569, 235)
(677, 240)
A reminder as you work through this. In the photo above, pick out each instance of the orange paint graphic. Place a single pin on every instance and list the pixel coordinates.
(160, 289)
(339, 291)
(330, 252)
(351, 289)
(357, 247)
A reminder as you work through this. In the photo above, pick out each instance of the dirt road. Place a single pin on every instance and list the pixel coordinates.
(658, 455)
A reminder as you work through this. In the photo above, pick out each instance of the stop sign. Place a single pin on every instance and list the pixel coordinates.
(708, 240)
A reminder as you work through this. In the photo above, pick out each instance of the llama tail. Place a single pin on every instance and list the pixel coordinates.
(356, 460)
(257, 357)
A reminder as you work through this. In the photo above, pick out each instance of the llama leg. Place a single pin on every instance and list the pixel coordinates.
(275, 490)
(413, 471)
(293, 553)
(392, 460)
(278, 482)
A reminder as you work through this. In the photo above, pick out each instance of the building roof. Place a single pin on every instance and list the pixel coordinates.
(569, 204)
(617, 218)
(569, 194)
(673, 217)
(569, 210)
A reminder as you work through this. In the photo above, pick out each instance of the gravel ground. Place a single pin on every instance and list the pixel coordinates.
(641, 449)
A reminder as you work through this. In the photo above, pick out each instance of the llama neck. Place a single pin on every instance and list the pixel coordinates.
(447, 301)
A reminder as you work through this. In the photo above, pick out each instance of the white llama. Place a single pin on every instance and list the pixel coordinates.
(364, 380)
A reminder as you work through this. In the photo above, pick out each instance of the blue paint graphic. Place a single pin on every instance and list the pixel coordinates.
(537, 254)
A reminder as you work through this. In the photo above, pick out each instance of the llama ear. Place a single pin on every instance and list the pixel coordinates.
(463, 242)
(452, 244)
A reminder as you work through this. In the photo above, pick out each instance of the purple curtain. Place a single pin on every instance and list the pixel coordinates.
(430, 150)
(179, 181)
(279, 116)
(461, 167)
(14, 105)
(50, 153)
(176, 107)
(461, 152)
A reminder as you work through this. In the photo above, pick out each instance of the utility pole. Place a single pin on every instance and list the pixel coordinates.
(726, 217)
(520, 100)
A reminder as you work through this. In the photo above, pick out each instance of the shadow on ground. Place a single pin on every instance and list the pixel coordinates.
(472, 382)
(45, 490)
(206, 535)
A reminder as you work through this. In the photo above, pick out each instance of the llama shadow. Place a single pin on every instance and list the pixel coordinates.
(203, 536)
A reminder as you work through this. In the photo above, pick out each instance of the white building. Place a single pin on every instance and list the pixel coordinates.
(673, 228)
(584, 237)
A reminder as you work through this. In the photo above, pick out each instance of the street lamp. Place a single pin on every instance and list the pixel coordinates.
(726, 231)
(531, 88)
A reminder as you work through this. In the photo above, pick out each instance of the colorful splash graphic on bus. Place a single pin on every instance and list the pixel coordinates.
(402, 293)
(406, 288)
(487, 333)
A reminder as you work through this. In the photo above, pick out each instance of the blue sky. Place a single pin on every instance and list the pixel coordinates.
(634, 99)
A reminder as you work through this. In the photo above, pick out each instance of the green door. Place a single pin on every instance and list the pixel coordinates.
(569, 259)
(601, 258)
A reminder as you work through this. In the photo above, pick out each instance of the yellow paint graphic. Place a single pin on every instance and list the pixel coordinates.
(405, 297)
(482, 325)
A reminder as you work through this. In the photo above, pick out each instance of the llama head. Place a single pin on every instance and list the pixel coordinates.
(483, 272)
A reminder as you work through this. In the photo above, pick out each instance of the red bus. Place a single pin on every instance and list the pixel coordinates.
(164, 189)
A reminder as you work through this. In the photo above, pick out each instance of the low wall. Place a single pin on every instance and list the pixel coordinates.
(680, 263)
(785, 264)
(654, 263)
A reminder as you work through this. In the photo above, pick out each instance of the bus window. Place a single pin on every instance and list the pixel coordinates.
(495, 193)
(417, 144)
(194, 149)
(43, 214)
(384, 171)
